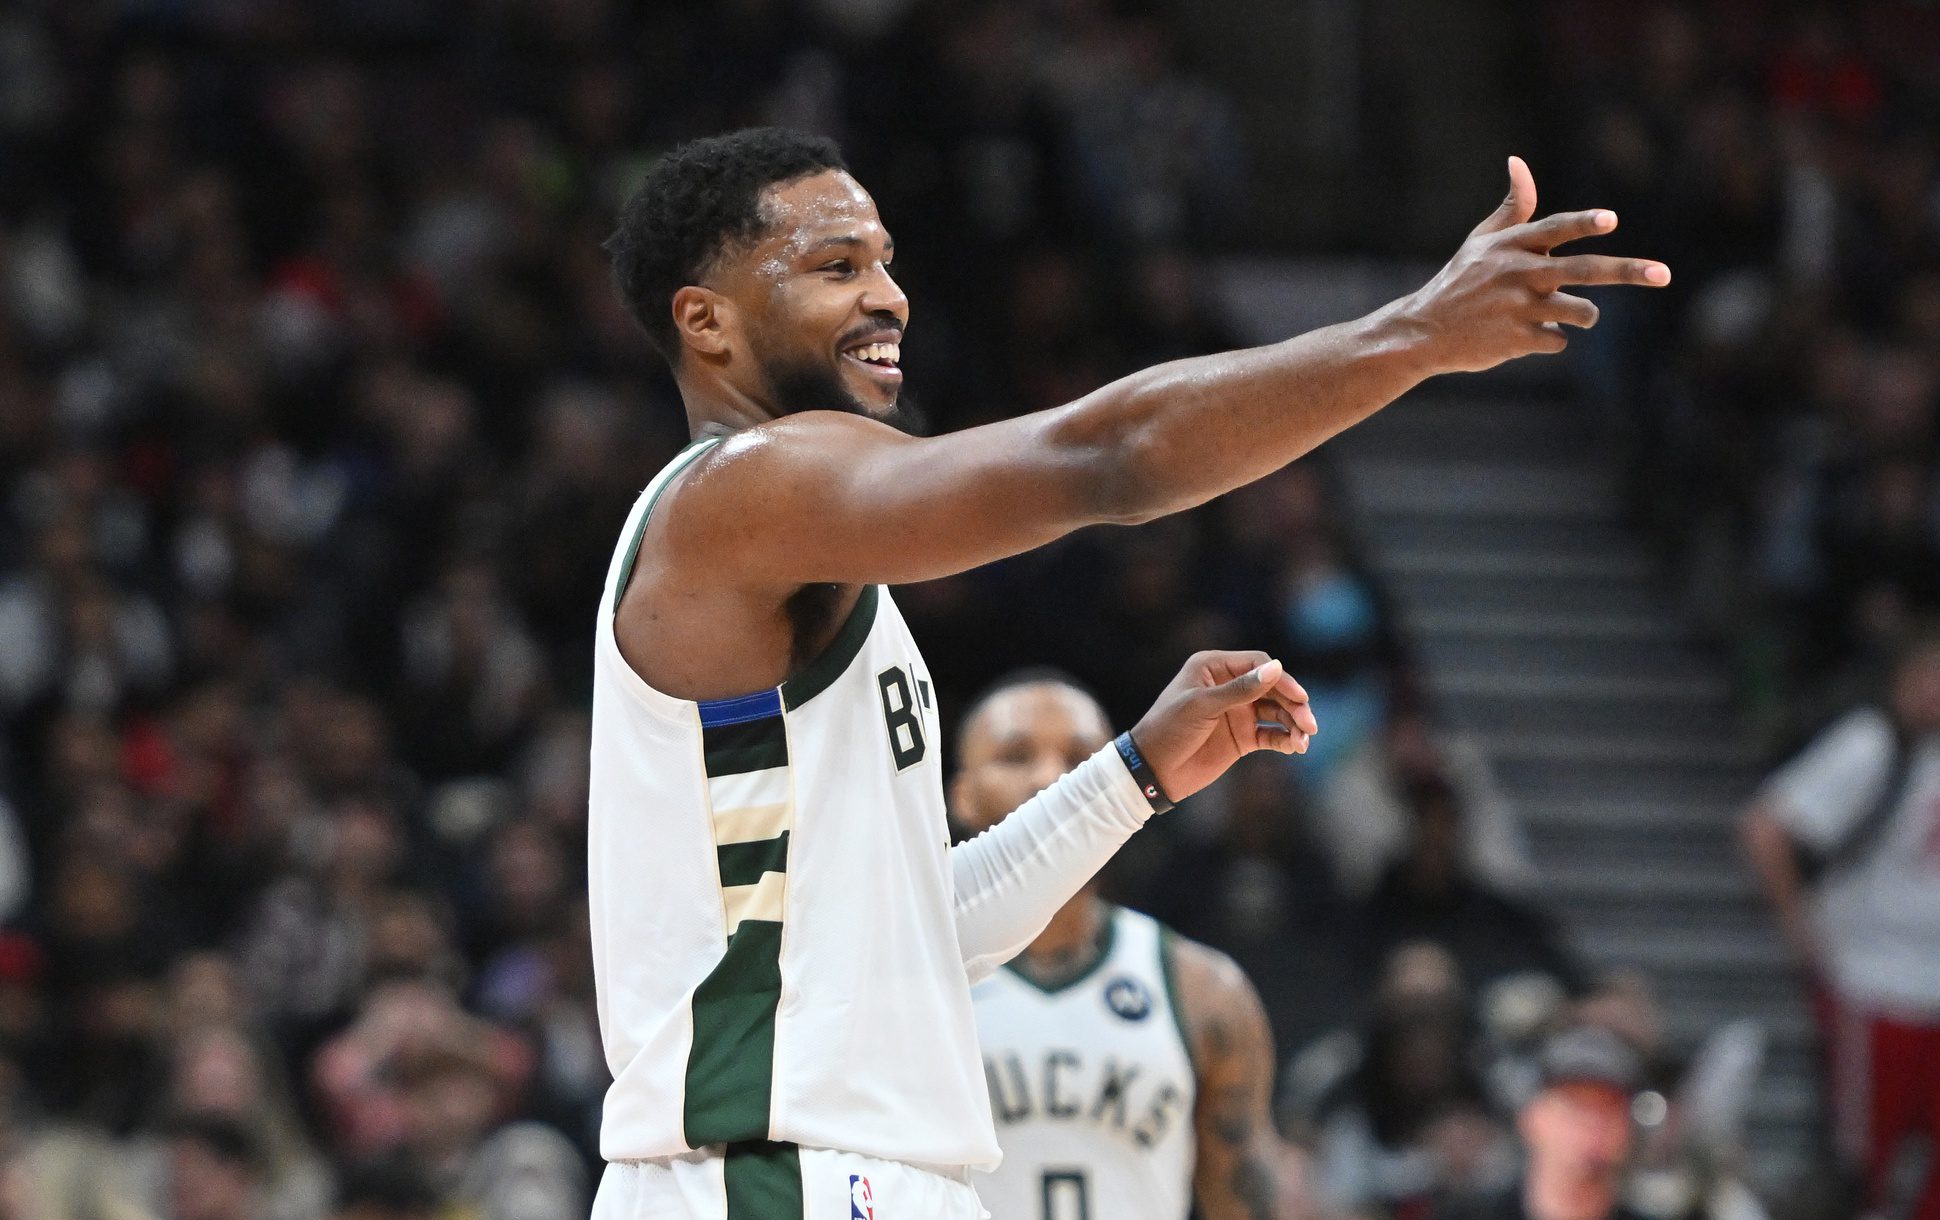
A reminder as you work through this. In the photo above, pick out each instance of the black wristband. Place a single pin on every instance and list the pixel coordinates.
(1141, 770)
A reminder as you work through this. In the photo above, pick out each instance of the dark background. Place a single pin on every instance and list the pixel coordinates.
(318, 420)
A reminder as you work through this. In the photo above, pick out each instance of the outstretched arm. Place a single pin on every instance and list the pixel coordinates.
(1241, 1170)
(1012, 878)
(824, 497)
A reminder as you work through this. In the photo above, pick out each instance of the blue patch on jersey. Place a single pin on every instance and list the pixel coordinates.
(740, 709)
(1128, 998)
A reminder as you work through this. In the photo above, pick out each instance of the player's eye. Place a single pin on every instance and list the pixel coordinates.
(840, 266)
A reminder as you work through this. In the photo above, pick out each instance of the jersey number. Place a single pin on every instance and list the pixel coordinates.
(903, 718)
(1066, 1196)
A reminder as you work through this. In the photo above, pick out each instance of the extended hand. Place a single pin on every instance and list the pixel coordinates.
(1223, 705)
(1499, 297)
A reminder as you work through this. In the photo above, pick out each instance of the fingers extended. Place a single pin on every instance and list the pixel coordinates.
(1602, 269)
(1552, 231)
(1518, 206)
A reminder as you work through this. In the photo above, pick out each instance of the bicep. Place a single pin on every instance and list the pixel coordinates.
(829, 498)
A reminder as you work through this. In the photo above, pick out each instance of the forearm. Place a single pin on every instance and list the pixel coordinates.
(1773, 860)
(1178, 434)
(1247, 1181)
(1012, 878)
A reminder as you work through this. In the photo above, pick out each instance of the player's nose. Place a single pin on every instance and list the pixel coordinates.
(885, 295)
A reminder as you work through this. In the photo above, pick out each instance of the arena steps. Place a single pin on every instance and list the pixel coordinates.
(1548, 637)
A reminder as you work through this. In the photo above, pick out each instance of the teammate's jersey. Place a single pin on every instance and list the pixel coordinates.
(1092, 1086)
(773, 939)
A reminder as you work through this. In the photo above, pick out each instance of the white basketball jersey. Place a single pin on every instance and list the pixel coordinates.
(773, 939)
(1092, 1087)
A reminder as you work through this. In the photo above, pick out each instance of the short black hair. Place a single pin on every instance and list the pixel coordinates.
(1029, 675)
(695, 202)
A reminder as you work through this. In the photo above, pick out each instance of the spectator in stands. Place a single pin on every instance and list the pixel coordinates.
(1577, 1133)
(1845, 839)
(1397, 1111)
(1430, 894)
(1365, 817)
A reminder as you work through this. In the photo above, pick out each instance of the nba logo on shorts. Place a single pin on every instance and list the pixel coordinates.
(862, 1200)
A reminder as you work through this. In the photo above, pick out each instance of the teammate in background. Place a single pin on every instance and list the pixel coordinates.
(783, 941)
(1129, 1069)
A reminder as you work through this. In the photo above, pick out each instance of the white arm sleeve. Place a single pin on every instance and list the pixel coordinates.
(1013, 877)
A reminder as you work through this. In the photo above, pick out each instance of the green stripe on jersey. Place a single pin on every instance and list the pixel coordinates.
(731, 1066)
(739, 760)
(764, 1181)
(1168, 950)
(743, 863)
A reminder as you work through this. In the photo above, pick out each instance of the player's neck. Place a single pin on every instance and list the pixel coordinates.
(716, 408)
(1549, 1197)
(1070, 944)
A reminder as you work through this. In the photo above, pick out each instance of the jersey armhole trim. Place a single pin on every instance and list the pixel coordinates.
(1168, 970)
(682, 461)
(834, 659)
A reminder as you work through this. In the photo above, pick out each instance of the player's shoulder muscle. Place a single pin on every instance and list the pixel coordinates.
(1220, 1008)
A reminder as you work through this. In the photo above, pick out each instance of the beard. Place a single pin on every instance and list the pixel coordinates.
(812, 385)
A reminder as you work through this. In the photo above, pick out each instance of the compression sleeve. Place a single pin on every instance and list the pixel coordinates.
(1013, 877)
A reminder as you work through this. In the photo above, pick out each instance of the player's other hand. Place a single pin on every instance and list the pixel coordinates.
(1501, 296)
(1223, 705)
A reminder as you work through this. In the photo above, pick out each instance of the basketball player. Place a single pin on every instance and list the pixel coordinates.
(783, 942)
(1130, 1070)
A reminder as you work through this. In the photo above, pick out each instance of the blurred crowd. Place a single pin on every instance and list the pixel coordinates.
(319, 418)
(1779, 403)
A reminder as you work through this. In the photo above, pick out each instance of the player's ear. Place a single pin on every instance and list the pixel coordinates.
(957, 793)
(702, 317)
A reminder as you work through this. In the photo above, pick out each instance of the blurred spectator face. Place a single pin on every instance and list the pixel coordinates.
(352, 741)
(528, 875)
(1018, 744)
(93, 902)
(204, 991)
(451, 1107)
(800, 304)
(1916, 688)
(216, 1072)
(1579, 1141)
(83, 750)
(1420, 973)
(408, 941)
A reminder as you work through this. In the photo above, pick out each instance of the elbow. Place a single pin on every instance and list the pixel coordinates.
(1128, 486)
(1114, 469)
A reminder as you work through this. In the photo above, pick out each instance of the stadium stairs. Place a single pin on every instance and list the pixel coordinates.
(1545, 629)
